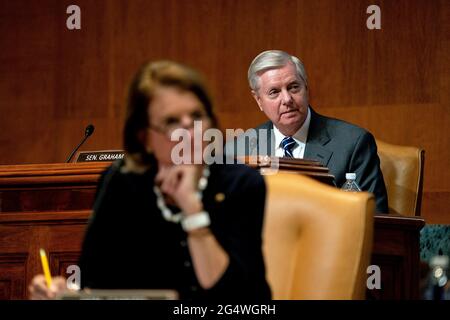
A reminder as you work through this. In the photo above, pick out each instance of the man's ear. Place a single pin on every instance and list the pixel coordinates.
(257, 99)
(307, 93)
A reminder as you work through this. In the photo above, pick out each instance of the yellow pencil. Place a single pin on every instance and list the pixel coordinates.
(48, 276)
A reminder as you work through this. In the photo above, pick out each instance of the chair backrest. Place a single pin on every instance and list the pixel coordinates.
(402, 169)
(317, 239)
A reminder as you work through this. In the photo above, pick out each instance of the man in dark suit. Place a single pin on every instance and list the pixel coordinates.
(280, 87)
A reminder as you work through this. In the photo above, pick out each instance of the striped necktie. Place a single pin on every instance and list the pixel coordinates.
(288, 144)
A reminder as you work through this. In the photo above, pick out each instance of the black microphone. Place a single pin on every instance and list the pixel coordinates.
(87, 132)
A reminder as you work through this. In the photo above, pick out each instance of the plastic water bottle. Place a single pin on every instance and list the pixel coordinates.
(439, 266)
(350, 185)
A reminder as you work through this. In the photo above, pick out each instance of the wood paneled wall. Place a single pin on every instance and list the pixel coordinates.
(394, 81)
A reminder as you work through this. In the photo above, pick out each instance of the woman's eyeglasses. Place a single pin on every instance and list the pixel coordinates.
(170, 124)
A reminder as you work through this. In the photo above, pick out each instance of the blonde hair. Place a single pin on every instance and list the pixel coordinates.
(149, 77)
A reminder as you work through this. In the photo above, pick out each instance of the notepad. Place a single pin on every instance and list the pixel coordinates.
(120, 294)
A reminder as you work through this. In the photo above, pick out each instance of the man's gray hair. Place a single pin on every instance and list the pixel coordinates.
(273, 59)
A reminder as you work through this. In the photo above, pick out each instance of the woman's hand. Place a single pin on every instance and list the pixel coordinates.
(39, 290)
(180, 184)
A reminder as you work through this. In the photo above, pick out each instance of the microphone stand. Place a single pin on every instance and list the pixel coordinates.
(75, 150)
(87, 133)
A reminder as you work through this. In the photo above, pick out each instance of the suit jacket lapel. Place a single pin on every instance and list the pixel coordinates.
(318, 137)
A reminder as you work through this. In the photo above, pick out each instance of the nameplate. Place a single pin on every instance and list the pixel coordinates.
(99, 156)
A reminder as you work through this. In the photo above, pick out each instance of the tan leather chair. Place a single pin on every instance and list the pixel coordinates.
(317, 239)
(402, 169)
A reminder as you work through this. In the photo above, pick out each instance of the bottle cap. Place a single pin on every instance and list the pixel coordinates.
(351, 176)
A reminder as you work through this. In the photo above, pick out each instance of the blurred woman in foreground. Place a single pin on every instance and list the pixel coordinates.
(193, 228)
